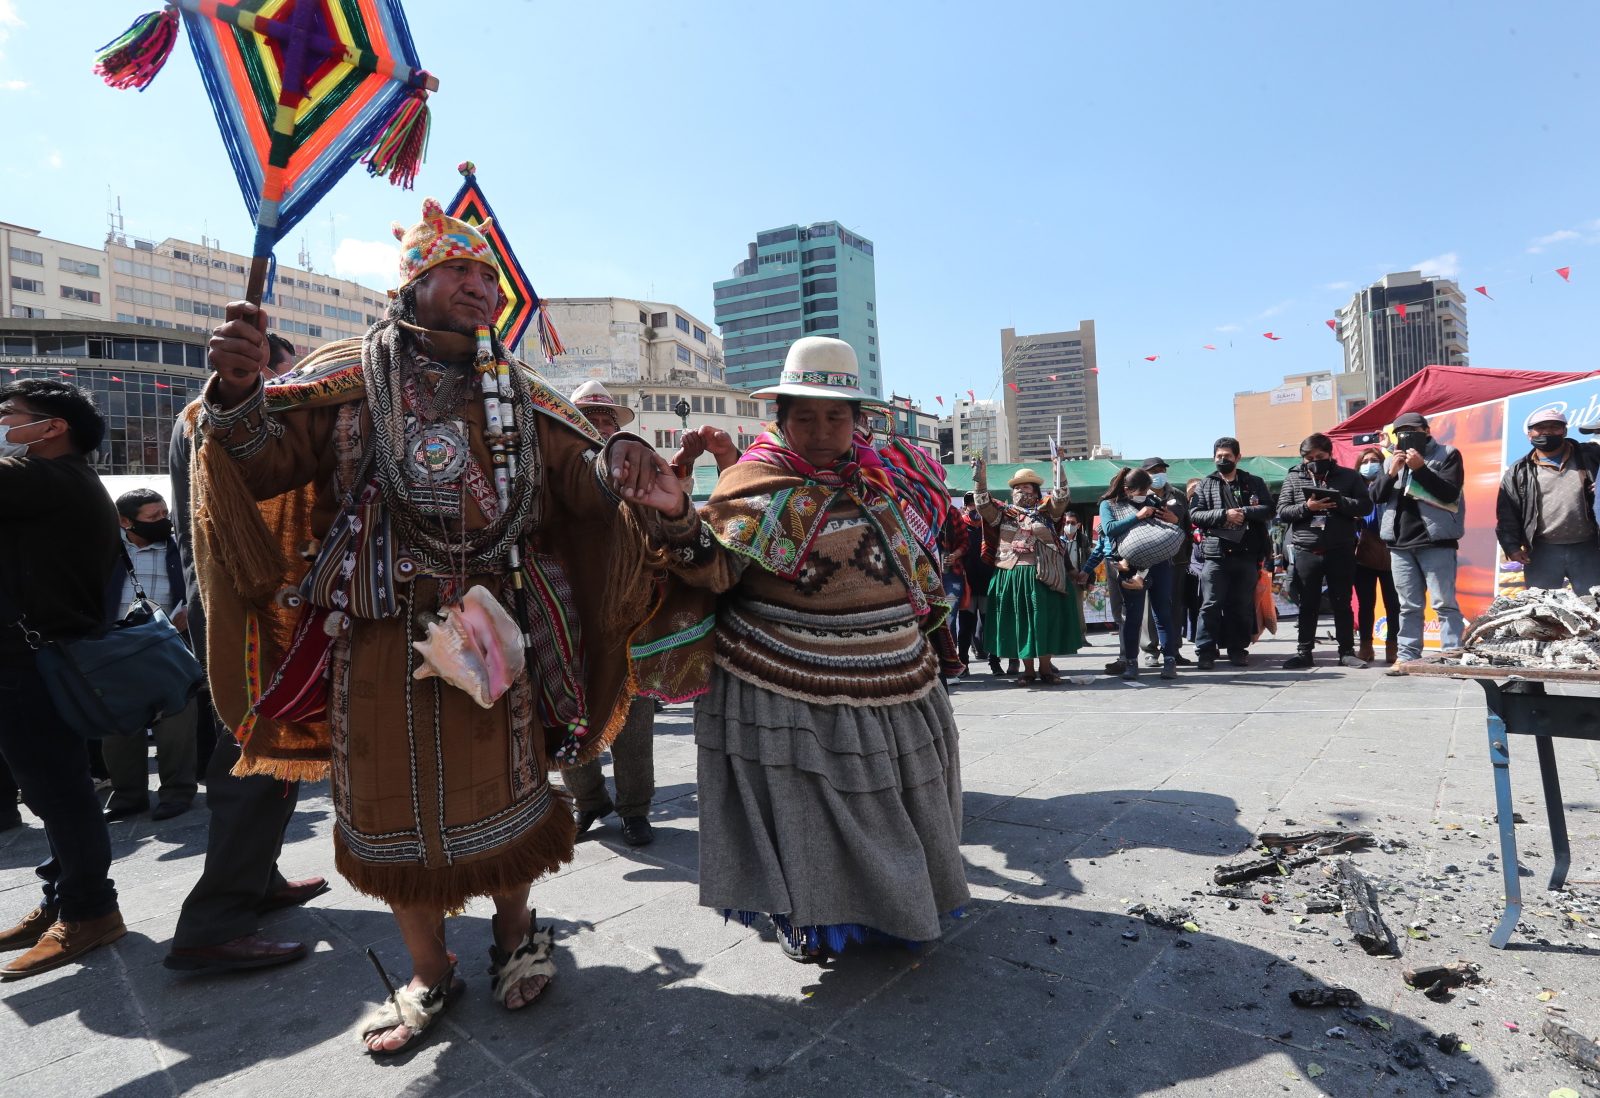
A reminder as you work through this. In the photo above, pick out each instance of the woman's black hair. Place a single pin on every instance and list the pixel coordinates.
(1124, 482)
(787, 402)
(1316, 441)
(65, 401)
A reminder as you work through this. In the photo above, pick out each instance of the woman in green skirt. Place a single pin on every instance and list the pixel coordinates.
(1031, 615)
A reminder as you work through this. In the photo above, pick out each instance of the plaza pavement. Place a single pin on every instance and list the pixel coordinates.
(1081, 801)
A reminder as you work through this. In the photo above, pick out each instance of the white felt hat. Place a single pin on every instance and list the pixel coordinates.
(820, 366)
(592, 394)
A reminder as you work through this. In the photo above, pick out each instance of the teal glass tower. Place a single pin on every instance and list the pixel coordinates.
(798, 281)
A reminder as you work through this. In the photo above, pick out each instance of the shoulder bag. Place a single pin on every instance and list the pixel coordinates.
(120, 681)
(1149, 542)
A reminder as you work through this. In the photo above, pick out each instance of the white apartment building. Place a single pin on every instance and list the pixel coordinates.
(618, 341)
(979, 427)
(1392, 329)
(44, 279)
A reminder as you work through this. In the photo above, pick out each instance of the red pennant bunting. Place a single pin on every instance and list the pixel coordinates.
(1151, 358)
(1401, 309)
(1014, 389)
(1334, 324)
(940, 399)
(1564, 272)
(1269, 335)
(971, 397)
(1054, 377)
(1484, 290)
(1208, 347)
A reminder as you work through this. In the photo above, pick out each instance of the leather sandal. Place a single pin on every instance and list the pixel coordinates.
(416, 1010)
(532, 957)
(1028, 679)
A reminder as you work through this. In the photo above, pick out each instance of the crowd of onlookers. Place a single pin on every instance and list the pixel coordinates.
(1334, 536)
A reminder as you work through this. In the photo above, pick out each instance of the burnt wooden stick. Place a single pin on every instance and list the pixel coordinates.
(1452, 975)
(1360, 912)
(1572, 1044)
(1325, 996)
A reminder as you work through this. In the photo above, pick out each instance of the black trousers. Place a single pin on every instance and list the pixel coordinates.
(1227, 605)
(1336, 568)
(248, 818)
(1368, 582)
(969, 624)
(50, 763)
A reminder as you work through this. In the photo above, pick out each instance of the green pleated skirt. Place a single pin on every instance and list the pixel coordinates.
(1025, 619)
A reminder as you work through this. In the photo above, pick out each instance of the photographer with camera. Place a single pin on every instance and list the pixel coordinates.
(1321, 502)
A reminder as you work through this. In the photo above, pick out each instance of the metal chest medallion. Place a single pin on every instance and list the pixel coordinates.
(436, 457)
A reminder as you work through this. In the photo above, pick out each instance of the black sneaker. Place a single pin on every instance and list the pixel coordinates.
(1298, 661)
(636, 831)
(1239, 659)
(587, 816)
(1116, 667)
(994, 666)
(1207, 663)
(1183, 661)
(1013, 667)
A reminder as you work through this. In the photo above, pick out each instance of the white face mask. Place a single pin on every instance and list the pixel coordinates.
(9, 449)
(1158, 481)
(1138, 499)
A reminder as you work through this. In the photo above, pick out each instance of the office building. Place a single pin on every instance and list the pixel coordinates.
(619, 341)
(1273, 423)
(912, 423)
(978, 427)
(1395, 327)
(1051, 378)
(46, 279)
(799, 281)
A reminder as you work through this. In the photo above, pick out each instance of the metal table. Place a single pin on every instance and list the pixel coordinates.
(1519, 706)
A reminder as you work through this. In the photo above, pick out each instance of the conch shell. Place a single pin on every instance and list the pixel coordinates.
(476, 648)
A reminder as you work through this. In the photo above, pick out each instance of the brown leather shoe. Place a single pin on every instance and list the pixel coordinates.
(26, 934)
(250, 951)
(1366, 652)
(1391, 651)
(64, 943)
(292, 893)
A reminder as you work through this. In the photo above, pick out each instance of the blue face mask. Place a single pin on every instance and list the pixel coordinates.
(1158, 481)
(1369, 469)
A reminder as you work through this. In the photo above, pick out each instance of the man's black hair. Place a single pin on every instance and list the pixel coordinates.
(1316, 441)
(62, 400)
(1226, 443)
(787, 402)
(131, 502)
(968, 499)
(280, 350)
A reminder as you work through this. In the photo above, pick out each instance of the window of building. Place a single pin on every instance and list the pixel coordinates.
(143, 270)
(818, 253)
(872, 341)
(872, 358)
(821, 286)
(818, 322)
(778, 237)
(872, 373)
(822, 305)
(765, 320)
(144, 297)
(745, 408)
(658, 320)
(23, 255)
(722, 405)
(869, 307)
(25, 312)
(73, 293)
(683, 325)
(771, 301)
(699, 362)
(700, 333)
(31, 285)
(820, 269)
(77, 266)
(777, 257)
(683, 353)
(871, 323)
(760, 286)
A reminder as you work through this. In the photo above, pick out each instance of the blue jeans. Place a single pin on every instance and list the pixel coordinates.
(1158, 588)
(51, 765)
(1551, 566)
(1432, 571)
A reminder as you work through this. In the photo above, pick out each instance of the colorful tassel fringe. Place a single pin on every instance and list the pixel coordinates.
(134, 57)
(549, 338)
(403, 145)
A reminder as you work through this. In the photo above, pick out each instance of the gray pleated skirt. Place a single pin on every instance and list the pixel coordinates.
(836, 820)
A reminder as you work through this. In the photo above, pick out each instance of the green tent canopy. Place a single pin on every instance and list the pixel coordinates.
(1087, 479)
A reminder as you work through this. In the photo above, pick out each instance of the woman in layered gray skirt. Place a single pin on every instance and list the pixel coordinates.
(829, 763)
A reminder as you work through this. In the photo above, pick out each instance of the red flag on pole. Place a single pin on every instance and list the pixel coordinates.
(971, 397)
(1564, 272)
(1484, 290)
(1334, 324)
(940, 399)
(1269, 335)
(1401, 309)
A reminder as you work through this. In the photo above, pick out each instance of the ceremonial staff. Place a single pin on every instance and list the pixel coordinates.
(348, 87)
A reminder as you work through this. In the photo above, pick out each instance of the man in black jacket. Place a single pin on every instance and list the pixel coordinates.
(1232, 508)
(1320, 502)
(58, 539)
(1545, 517)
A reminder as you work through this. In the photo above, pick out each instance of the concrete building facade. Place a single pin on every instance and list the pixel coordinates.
(797, 281)
(1395, 327)
(619, 341)
(1051, 376)
(978, 427)
(1274, 423)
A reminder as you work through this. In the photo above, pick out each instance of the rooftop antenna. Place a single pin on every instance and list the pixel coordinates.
(305, 254)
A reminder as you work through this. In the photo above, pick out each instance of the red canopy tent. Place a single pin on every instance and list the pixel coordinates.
(1437, 389)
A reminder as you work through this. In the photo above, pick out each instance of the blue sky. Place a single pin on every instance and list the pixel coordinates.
(1182, 173)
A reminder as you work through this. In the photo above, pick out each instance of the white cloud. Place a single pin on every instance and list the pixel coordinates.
(1444, 266)
(1276, 309)
(1542, 242)
(1337, 285)
(13, 85)
(1230, 328)
(54, 160)
(8, 19)
(374, 259)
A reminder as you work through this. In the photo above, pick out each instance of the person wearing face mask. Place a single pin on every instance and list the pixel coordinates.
(1545, 517)
(1128, 503)
(1176, 501)
(151, 551)
(1231, 508)
(1322, 502)
(58, 542)
(1424, 518)
(1373, 571)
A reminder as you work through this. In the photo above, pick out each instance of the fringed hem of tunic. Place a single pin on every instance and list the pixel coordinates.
(543, 848)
